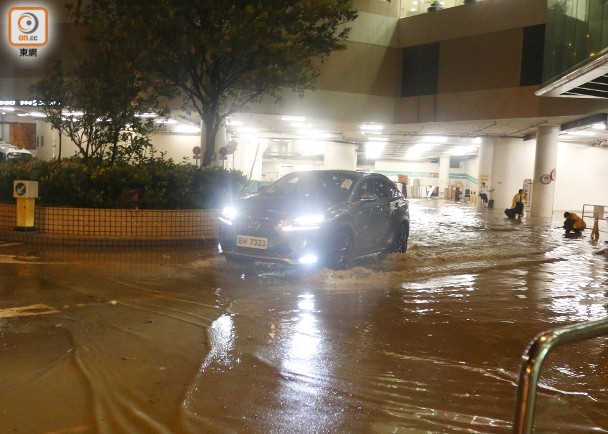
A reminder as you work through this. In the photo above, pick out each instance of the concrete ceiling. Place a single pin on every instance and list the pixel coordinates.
(394, 141)
(398, 142)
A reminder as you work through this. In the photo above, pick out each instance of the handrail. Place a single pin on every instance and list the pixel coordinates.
(533, 359)
(597, 215)
(592, 214)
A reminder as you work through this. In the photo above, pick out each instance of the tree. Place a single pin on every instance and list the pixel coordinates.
(99, 102)
(225, 54)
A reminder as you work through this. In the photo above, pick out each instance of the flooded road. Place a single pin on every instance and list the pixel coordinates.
(175, 340)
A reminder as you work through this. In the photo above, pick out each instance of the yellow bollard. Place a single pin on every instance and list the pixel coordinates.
(26, 193)
(595, 233)
(25, 212)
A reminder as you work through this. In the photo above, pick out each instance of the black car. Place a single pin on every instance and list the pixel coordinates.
(324, 217)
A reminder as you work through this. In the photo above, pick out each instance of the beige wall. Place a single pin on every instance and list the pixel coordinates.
(479, 68)
(378, 7)
(479, 62)
(479, 65)
(491, 61)
(371, 63)
(360, 83)
(363, 69)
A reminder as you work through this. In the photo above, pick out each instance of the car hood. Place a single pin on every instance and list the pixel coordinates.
(273, 206)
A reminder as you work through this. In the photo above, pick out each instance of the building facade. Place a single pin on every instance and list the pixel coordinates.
(448, 98)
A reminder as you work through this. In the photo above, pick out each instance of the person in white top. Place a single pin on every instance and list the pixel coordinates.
(484, 194)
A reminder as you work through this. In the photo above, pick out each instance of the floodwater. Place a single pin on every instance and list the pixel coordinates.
(175, 340)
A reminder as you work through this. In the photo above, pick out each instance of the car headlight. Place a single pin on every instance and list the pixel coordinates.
(228, 214)
(303, 222)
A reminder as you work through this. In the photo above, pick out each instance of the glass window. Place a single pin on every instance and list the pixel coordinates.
(386, 188)
(576, 31)
(328, 186)
(365, 190)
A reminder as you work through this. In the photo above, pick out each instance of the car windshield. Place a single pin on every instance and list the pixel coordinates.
(18, 156)
(331, 187)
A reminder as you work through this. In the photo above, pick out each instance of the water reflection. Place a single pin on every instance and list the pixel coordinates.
(221, 342)
(303, 359)
(304, 340)
(427, 342)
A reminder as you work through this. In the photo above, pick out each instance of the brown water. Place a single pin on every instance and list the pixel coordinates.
(174, 340)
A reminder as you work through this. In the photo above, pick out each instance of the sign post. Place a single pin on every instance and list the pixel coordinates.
(196, 153)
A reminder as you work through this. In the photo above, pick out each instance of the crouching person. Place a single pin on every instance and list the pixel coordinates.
(573, 223)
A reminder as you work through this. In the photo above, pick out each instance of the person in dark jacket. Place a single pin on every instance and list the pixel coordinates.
(573, 223)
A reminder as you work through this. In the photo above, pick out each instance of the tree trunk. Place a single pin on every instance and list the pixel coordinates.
(210, 131)
(114, 144)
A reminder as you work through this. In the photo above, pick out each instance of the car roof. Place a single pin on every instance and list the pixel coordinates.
(15, 149)
(332, 171)
(355, 173)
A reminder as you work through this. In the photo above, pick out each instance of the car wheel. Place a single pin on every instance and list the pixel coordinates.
(400, 243)
(341, 251)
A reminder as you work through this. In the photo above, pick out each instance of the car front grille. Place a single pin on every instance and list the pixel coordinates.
(258, 228)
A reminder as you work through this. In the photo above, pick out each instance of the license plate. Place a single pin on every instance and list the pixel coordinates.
(252, 242)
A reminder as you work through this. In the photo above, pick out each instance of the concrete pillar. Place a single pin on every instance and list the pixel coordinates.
(220, 142)
(513, 162)
(203, 142)
(248, 157)
(543, 187)
(444, 174)
(220, 138)
(341, 156)
(486, 159)
(5, 134)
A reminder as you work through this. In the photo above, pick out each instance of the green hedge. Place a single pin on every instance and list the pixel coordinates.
(155, 184)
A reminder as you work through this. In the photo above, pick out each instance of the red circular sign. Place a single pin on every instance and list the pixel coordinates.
(196, 150)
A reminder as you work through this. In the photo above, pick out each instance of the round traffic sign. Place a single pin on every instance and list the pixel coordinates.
(20, 189)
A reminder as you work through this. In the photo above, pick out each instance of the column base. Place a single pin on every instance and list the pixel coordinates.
(25, 229)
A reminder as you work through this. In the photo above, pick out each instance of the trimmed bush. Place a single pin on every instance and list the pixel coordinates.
(155, 184)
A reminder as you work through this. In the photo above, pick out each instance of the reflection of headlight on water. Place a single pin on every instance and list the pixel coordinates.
(303, 222)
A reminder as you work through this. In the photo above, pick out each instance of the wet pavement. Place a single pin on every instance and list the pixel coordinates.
(175, 340)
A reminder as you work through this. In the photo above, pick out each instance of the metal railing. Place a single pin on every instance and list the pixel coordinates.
(591, 212)
(532, 361)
